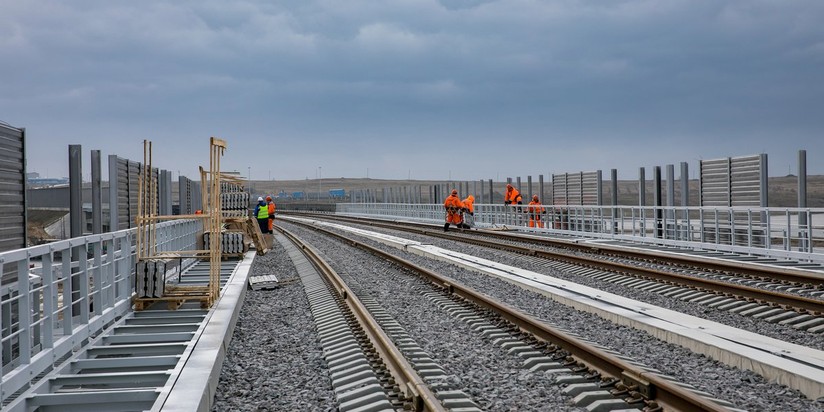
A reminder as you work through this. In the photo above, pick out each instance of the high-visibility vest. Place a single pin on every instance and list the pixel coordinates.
(263, 212)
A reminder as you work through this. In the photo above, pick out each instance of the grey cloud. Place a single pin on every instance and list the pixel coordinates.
(596, 75)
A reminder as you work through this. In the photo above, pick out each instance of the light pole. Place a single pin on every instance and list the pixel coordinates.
(320, 178)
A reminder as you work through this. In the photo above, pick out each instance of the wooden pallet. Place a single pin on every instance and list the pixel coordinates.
(253, 230)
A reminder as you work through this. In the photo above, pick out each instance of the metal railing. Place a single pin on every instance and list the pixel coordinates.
(779, 232)
(58, 295)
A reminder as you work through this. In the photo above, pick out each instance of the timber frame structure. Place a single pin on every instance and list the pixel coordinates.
(212, 217)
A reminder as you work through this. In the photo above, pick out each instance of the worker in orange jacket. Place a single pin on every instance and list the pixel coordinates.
(271, 207)
(535, 210)
(469, 212)
(512, 196)
(453, 206)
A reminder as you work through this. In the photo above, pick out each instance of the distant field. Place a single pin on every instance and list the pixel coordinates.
(782, 190)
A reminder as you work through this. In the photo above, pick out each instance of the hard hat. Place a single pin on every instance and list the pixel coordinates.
(260, 199)
(535, 197)
(508, 186)
(454, 192)
(268, 197)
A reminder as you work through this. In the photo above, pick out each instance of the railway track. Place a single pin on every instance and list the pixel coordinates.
(366, 367)
(790, 296)
(595, 374)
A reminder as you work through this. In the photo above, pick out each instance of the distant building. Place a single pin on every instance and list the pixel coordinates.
(45, 181)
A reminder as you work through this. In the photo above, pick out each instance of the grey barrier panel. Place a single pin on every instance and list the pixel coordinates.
(161, 194)
(642, 187)
(126, 184)
(670, 191)
(114, 217)
(657, 201)
(560, 192)
(802, 180)
(581, 188)
(168, 192)
(670, 185)
(802, 194)
(97, 195)
(529, 187)
(685, 184)
(197, 199)
(184, 195)
(12, 188)
(77, 224)
(764, 180)
(574, 189)
(613, 178)
(733, 181)
(541, 187)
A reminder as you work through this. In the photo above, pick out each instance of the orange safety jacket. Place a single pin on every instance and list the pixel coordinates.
(453, 204)
(512, 196)
(469, 203)
(535, 208)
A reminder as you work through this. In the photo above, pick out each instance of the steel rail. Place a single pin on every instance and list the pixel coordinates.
(410, 383)
(651, 385)
(801, 303)
(754, 270)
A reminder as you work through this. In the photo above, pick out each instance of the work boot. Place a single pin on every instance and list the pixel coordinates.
(446, 227)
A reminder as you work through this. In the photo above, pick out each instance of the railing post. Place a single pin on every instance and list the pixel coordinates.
(23, 313)
(97, 300)
(49, 299)
(68, 282)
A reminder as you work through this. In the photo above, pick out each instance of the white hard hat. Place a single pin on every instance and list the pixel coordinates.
(260, 199)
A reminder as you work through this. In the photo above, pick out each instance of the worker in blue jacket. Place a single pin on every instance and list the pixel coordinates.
(262, 215)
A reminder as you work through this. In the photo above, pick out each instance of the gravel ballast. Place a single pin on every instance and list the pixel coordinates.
(494, 380)
(274, 361)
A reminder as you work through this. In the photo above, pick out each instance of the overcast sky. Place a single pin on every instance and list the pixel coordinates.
(426, 89)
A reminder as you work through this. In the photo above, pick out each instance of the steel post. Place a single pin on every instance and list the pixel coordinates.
(97, 196)
(685, 184)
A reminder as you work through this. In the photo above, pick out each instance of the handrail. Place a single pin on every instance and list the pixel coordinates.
(54, 297)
